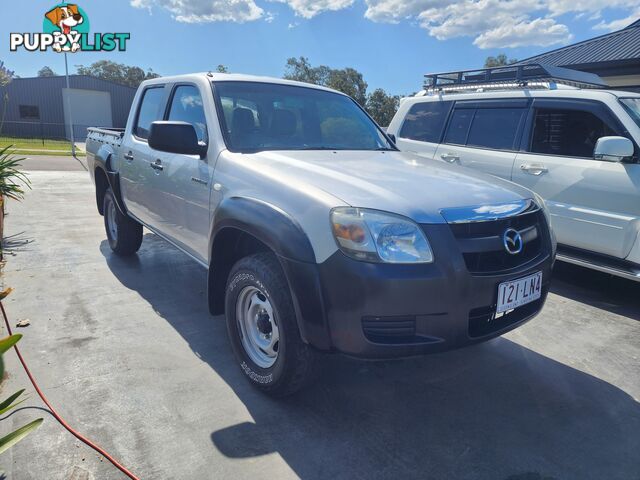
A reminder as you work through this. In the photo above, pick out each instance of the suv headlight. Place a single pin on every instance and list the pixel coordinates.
(374, 236)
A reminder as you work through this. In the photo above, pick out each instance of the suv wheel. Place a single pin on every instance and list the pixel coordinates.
(124, 233)
(263, 329)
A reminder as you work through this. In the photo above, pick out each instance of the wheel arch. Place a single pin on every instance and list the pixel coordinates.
(102, 184)
(105, 176)
(243, 226)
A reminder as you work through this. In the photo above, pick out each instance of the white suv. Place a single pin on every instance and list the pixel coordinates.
(576, 147)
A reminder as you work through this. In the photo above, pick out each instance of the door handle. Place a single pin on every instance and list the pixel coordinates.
(157, 165)
(450, 157)
(128, 156)
(534, 169)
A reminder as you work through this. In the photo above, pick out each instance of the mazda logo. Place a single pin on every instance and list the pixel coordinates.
(512, 241)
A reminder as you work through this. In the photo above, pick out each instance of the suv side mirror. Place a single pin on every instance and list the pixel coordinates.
(176, 137)
(613, 149)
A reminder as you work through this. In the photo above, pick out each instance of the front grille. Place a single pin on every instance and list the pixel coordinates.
(481, 243)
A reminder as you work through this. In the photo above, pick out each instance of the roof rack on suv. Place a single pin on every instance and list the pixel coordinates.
(534, 75)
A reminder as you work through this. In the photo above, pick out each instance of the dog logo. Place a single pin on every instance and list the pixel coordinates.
(512, 241)
(66, 18)
(65, 28)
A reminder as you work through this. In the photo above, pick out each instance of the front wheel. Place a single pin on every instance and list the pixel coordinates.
(262, 327)
(123, 233)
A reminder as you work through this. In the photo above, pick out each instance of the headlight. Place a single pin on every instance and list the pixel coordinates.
(373, 236)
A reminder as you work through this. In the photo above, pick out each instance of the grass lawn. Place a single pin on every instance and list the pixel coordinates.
(28, 146)
(31, 144)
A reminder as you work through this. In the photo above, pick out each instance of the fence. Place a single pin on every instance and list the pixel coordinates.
(40, 133)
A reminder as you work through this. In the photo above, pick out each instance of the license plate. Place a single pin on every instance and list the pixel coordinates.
(519, 292)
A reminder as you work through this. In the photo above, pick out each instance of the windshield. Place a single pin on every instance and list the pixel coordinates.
(632, 105)
(266, 116)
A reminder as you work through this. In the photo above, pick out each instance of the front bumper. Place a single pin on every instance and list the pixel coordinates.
(377, 310)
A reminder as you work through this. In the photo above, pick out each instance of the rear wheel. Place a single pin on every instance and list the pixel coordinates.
(123, 233)
(262, 327)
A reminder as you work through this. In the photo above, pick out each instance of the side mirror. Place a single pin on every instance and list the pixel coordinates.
(613, 149)
(176, 137)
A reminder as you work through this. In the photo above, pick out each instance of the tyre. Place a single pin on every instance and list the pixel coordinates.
(124, 233)
(262, 327)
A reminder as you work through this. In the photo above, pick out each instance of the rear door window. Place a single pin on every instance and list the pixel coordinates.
(150, 110)
(495, 128)
(425, 121)
(459, 126)
(571, 133)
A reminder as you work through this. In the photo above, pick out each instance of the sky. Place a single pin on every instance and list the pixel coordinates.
(392, 42)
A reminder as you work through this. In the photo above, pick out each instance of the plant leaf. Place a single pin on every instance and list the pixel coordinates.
(5, 344)
(5, 293)
(10, 440)
(7, 404)
(8, 342)
(11, 178)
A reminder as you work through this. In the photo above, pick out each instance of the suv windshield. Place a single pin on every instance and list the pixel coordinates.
(632, 105)
(267, 116)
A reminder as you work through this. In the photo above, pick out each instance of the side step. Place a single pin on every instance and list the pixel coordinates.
(601, 263)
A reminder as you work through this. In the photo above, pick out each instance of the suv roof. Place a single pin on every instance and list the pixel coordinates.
(516, 81)
(566, 92)
(512, 76)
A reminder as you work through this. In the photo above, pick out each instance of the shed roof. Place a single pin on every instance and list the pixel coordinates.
(621, 46)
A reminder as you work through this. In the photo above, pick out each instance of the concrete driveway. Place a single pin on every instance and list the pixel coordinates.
(127, 351)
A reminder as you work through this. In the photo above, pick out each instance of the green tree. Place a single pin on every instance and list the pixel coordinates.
(117, 72)
(46, 72)
(222, 69)
(346, 80)
(300, 70)
(6, 75)
(349, 81)
(498, 61)
(382, 106)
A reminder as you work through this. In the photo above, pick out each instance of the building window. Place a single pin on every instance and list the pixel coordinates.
(29, 112)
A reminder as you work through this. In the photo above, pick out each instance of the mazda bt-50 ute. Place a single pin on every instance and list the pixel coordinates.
(317, 233)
